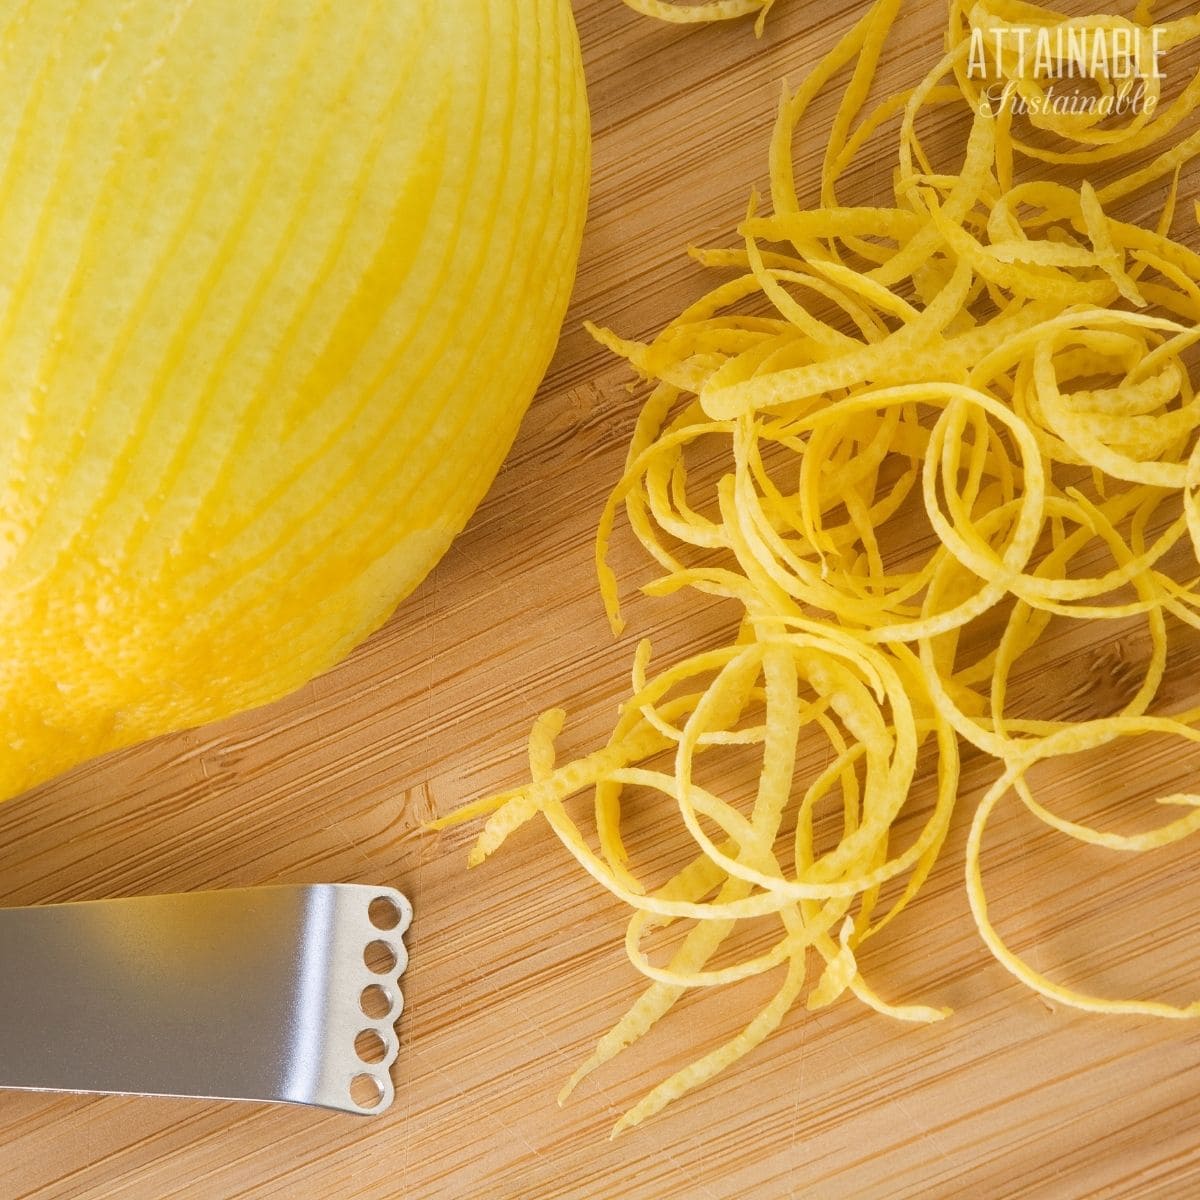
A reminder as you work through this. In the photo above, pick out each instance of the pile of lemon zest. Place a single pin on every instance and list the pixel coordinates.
(991, 348)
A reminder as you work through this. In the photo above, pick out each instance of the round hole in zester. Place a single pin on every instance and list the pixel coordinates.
(375, 1002)
(379, 957)
(384, 913)
(366, 1091)
(370, 1047)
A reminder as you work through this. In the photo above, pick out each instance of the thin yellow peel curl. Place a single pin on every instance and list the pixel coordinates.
(992, 358)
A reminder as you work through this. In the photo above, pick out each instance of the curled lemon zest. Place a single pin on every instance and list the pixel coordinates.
(989, 356)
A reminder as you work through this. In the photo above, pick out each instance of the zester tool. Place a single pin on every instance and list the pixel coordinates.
(285, 994)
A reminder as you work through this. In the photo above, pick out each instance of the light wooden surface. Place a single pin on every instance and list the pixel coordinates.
(517, 968)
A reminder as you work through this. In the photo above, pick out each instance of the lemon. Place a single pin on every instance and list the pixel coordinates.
(278, 279)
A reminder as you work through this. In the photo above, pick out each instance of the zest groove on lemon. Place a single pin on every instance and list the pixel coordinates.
(278, 282)
(992, 357)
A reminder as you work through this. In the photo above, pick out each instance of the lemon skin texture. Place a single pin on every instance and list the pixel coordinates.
(278, 280)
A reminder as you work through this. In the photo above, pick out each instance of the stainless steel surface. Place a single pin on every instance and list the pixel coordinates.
(247, 994)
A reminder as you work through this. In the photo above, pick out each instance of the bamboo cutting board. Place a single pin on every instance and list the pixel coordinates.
(517, 967)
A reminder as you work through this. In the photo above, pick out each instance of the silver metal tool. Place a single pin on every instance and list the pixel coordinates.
(269, 993)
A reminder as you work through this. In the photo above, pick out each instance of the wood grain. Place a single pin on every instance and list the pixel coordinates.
(517, 968)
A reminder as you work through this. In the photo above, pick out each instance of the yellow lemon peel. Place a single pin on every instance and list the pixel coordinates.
(706, 11)
(279, 282)
(992, 358)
